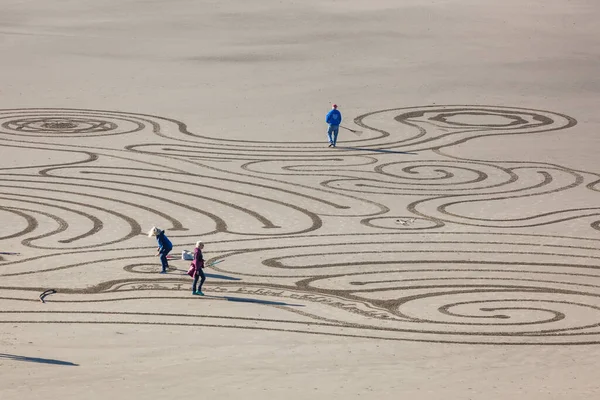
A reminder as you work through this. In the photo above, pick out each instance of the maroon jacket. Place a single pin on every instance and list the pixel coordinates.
(198, 259)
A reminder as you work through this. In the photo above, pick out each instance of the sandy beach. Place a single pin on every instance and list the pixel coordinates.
(446, 248)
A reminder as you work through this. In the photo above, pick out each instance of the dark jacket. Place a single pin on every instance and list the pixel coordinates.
(164, 244)
(198, 259)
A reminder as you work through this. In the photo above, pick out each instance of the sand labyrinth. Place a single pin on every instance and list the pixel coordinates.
(387, 236)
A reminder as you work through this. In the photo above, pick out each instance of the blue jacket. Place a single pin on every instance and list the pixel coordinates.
(334, 117)
(164, 244)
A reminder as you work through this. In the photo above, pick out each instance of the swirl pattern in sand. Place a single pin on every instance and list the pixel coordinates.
(386, 236)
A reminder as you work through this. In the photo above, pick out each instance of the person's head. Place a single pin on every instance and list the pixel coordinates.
(334, 106)
(153, 232)
(199, 244)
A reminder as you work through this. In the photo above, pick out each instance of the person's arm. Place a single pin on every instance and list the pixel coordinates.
(195, 262)
(160, 245)
(198, 261)
(328, 117)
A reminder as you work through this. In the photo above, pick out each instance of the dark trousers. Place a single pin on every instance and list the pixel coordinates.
(199, 274)
(163, 259)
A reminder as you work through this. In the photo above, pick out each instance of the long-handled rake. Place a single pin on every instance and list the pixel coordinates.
(358, 133)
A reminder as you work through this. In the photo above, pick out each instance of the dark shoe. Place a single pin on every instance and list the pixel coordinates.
(330, 144)
(163, 272)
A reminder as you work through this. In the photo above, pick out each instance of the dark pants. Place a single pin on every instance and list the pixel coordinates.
(199, 274)
(163, 259)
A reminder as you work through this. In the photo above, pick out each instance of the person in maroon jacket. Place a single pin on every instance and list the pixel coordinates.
(199, 264)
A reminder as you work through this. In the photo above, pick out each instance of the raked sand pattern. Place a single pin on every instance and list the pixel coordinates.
(447, 248)
(380, 247)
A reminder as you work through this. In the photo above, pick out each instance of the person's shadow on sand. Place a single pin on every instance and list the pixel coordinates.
(224, 277)
(255, 301)
(375, 150)
(214, 276)
(37, 360)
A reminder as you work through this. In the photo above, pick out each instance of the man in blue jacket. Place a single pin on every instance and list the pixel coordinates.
(334, 119)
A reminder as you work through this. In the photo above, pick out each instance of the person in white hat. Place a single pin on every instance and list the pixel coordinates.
(164, 246)
(198, 263)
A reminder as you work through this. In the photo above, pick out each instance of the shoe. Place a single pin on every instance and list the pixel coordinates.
(199, 293)
(330, 144)
(195, 293)
(163, 272)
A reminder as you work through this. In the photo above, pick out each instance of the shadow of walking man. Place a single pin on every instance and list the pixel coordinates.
(37, 360)
(375, 150)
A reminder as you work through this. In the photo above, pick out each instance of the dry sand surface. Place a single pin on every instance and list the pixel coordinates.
(446, 249)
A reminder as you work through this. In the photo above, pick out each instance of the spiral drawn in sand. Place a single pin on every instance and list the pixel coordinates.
(63, 123)
(385, 237)
(421, 128)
